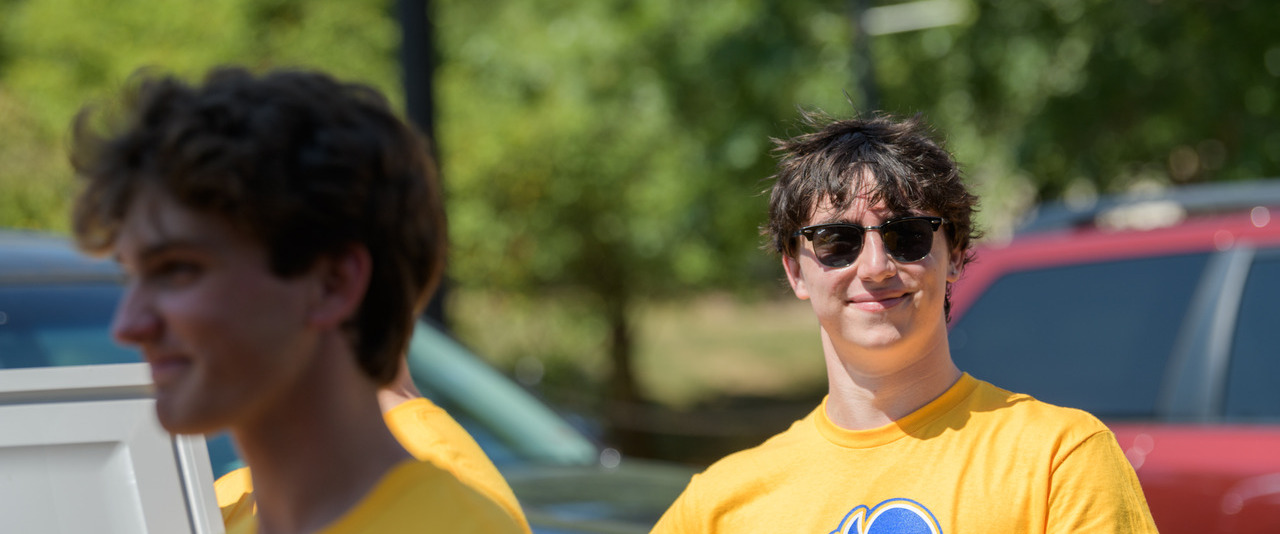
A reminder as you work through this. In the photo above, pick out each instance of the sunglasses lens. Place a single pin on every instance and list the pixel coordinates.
(837, 246)
(908, 241)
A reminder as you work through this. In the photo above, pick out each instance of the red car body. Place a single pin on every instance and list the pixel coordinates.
(1207, 478)
(1203, 469)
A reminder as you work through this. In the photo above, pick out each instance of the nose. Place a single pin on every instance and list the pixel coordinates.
(874, 262)
(136, 322)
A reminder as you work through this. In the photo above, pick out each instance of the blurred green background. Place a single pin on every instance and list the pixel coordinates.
(605, 160)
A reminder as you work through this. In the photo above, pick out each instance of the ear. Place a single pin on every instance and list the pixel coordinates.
(795, 277)
(955, 266)
(344, 279)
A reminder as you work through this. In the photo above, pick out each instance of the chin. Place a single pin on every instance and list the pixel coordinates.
(177, 419)
(876, 335)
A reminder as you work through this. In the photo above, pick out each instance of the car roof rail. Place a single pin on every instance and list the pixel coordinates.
(1194, 199)
(33, 255)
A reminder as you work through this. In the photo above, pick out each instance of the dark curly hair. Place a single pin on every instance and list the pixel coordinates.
(889, 160)
(304, 163)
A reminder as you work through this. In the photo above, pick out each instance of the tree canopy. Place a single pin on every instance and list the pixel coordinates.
(59, 55)
(617, 151)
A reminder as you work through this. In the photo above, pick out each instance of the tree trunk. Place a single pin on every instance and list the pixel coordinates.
(625, 409)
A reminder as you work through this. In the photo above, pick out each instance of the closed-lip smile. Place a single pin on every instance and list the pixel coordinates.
(166, 368)
(878, 302)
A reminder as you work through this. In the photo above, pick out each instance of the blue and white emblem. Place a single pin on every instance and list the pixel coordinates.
(894, 516)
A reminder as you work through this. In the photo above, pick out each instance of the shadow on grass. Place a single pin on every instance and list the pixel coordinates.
(707, 431)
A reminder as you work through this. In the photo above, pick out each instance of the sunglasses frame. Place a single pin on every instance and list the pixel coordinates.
(934, 223)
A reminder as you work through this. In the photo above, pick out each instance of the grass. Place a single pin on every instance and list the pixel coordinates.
(716, 345)
(687, 351)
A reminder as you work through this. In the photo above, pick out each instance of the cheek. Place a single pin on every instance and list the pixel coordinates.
(189, 313)
(224, 319)
(828, 290)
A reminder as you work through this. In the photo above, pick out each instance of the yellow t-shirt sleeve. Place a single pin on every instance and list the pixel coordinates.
(1094, 489)
(681, 517)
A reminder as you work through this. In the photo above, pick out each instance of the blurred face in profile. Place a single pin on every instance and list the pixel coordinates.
(222, 334)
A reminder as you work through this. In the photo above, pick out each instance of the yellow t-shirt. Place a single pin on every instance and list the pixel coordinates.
(416, 497)
(429, 434)
(976, 459)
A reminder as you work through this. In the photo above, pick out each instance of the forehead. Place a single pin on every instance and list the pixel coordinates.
(864, 191)
(826, 209)
(857, 209)
(155, 218)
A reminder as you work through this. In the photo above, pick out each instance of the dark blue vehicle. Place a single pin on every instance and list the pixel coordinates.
(56, 307)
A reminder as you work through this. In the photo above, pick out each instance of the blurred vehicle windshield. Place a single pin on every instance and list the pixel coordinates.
(56, 308)
(67, 322)
(508, 423)
(1157, 314)
(1122, 316)
(55, 324)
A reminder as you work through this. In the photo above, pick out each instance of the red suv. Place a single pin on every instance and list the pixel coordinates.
(1160, 314)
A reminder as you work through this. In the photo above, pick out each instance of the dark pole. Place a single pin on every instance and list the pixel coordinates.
(417, 65)
(863, 66)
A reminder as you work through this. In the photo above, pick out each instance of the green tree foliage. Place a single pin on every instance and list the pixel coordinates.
(618, 139)
(615, 150)
(1050, 98)
(612, 152)
(58, 55)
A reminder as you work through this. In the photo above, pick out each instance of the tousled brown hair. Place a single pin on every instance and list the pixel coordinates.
(886, 159)
(298, 160)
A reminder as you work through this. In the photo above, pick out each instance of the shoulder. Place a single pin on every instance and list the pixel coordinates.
(232, 486)
(234, 491)
(762, 465)
(1037, 421)
(1027, 409)
(419, 495)
(419, 415)
(431, 435)
(739, 477)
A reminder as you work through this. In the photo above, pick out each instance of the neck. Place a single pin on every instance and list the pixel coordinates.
(329, 418)
(872, 388)
(400, 390)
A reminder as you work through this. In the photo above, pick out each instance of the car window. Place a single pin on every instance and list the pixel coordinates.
(1093, 336)
(1251, 390)
(59, 324)
(56, 324)
(509, 424)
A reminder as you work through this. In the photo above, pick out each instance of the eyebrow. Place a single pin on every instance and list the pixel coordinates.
(162, 247)
(846, 220)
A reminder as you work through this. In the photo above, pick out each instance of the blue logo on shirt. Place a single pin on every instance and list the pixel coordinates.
(894, 516)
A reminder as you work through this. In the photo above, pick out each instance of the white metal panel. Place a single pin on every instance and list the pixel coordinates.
(81, 451)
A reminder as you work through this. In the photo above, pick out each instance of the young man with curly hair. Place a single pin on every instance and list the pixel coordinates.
(280, 233)
(874, 223)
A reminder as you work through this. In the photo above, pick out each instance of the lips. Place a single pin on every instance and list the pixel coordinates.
(167, 369)
(878, 303)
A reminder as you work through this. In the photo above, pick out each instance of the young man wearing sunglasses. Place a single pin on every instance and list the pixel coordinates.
(873, 223)
(280, 233)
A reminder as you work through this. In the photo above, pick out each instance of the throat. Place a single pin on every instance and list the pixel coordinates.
(872, 388)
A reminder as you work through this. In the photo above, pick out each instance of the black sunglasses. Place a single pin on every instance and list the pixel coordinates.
(907, 239)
